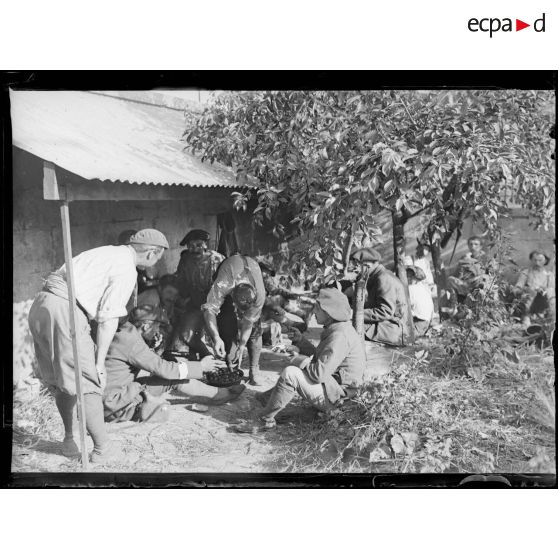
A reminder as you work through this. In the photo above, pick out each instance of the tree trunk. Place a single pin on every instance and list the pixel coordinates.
(358, 302)
(347, 252)
(398, 222)
(439, 271)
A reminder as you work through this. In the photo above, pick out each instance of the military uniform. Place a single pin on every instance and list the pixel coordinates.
(127, 356)
(385, 310)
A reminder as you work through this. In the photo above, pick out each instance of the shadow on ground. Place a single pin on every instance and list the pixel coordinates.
(189, 441)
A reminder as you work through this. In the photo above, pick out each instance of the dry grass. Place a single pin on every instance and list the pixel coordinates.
(414, 421)
(37, 435)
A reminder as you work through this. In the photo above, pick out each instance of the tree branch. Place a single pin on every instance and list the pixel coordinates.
(418, 212)
(407, 111)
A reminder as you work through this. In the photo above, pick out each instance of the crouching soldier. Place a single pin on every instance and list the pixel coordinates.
(324, 376)
(233, 310)
(131, 396)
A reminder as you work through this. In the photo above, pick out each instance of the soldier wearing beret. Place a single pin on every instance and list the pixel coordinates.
(385, 310)
(105, 279)
(324, 375)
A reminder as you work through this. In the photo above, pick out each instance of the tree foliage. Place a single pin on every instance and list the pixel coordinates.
(335, 159)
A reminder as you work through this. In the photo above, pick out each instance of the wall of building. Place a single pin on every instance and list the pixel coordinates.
(37, 234)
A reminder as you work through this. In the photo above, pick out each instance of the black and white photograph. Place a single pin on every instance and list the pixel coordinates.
(285, 281)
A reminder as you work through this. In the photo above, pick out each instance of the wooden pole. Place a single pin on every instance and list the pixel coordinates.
(65, 216)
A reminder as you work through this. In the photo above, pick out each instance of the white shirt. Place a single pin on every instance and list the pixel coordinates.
(422, 306)
(105, 279)
(424, 264)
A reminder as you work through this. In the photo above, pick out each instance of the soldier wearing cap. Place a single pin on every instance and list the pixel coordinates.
(105, 279)
(147, 276)
(195, 272)
(131, 352)
(385, 310)
(324, 375)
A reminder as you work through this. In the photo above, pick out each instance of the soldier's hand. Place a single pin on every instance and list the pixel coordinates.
(236, 357)
(209, 364)
(219, 347)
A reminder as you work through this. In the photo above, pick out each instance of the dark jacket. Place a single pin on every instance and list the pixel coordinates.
(127, 355)
(338, 361)
(385, 311)
(195, 275)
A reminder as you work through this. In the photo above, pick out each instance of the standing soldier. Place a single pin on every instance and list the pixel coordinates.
(105, 279)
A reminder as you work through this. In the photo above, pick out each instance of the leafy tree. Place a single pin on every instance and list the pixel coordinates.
(335, 159)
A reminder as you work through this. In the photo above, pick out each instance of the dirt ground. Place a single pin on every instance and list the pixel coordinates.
(189, 442)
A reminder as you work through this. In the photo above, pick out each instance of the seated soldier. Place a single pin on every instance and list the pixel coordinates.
(422, 261)
(130, 353)
(422, 307)
(195, 273)
(162, 296)
(472, 270)
(324, 375)
(279, 301)
(272, 319)
(536, 288)
(385, 309)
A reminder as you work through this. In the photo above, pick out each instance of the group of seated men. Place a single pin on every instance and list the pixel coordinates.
(214, 307)
(531, 296)
(221, 299)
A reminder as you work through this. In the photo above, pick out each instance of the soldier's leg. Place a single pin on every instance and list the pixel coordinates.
(292, 381)
(227, 325)
(41, 327)
(66, 405)
(192, 388)
(254, 346)
(196, 341)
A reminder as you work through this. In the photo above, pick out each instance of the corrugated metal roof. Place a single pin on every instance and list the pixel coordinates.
(101, 137)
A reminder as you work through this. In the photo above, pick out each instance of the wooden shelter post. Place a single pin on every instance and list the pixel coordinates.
(65, 217)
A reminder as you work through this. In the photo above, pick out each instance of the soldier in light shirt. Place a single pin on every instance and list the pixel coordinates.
(105, 280)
